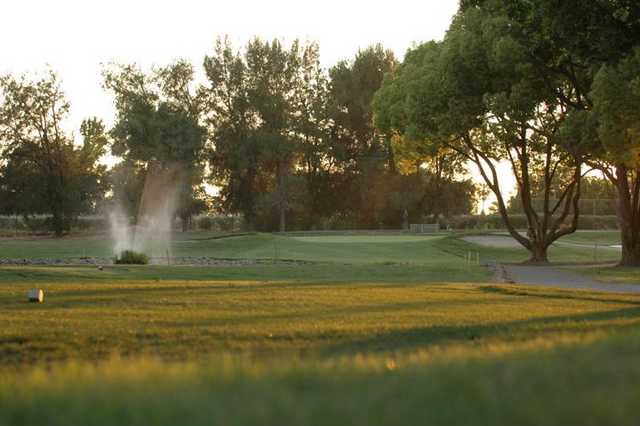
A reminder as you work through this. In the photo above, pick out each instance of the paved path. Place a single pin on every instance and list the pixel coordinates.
(550, 276)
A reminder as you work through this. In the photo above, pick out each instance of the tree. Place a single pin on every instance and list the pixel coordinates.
(364, 153)
(158, 130)
(568, 43)
(474, 93)
(42, 170)
(616, 98)
(295, 147)
(264, 110)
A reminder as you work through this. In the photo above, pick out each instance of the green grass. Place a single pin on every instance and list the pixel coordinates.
(593, 237)
(586, 383)
(337, 249)
(367, 331)
(612, 274)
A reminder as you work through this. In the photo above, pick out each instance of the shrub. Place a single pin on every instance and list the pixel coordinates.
(205, 223)
(130, 257)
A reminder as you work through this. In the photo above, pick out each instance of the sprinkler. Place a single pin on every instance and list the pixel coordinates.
(36, 295)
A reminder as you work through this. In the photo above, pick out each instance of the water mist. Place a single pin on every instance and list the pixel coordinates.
(152, 233)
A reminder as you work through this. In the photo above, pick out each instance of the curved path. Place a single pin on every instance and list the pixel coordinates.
(550, 276)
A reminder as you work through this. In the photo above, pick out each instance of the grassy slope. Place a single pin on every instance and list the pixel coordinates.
(371, 334)
(351, 249)
(593, 237)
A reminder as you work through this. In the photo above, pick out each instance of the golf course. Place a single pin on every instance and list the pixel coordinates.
(285, 213)
(316, 330)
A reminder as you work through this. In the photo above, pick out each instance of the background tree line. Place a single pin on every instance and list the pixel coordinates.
(550, 88)
(287, 144)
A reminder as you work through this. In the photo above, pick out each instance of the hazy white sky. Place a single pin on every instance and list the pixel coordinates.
(75, 37)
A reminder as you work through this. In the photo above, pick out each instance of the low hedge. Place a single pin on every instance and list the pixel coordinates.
(130, 257)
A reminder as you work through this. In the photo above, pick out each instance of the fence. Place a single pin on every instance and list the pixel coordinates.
(424, 228)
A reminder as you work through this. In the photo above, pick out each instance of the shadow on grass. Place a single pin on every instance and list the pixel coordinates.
(421, 337)
(514, 290)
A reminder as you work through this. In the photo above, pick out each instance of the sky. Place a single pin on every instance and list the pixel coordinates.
(76, 37)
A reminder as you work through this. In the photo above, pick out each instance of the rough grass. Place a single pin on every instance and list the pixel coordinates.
(568, 385)
(364, 334)
(612, 274)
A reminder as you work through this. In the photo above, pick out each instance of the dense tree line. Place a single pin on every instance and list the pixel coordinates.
(295, 146)
(550, 88)
(288, 144)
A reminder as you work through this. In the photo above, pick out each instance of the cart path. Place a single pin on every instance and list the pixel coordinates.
(550, 276)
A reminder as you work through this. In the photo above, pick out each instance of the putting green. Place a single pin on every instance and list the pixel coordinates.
(375, 239)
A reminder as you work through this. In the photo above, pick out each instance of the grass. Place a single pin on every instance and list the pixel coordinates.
(557, 386)
(337, 249)
(593, 237)
(365, 332)
(612, 274)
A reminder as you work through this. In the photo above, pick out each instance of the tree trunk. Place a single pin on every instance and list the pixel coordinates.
(186, 222)
(57, 224)
(629, 234)
(627, 184)
(538, 253)
(282, 198)
(630, 253)
(283, 218)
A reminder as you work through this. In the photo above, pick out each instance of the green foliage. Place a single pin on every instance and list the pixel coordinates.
(220, 223)
(43, 171)
(157, 128)
(583, 51)
(477, 93)
(130, 257)
(616, 96)
(266, 107)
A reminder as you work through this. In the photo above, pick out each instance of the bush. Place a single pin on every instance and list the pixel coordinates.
(220, 223)
(130, 257)
(205, 223)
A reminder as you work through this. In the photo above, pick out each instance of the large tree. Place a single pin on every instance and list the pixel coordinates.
(616, 98)
(570, 45)
(475, 93)
(264, 109)
(158, 130)
(42, 170)
(364, 152)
